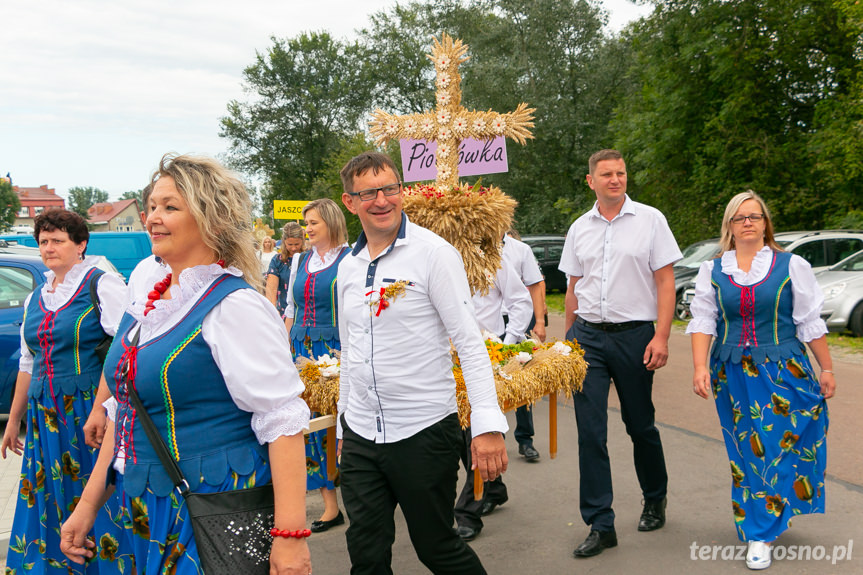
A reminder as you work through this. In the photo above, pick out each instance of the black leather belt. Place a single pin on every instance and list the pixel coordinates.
(612, 326)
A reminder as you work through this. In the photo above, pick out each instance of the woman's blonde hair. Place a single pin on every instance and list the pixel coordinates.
(333, 217)
(726, 238)
(221, 207)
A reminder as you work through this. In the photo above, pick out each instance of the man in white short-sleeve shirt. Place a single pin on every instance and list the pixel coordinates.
(619, 257)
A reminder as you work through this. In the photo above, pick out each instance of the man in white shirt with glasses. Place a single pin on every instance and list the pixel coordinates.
(403, 295)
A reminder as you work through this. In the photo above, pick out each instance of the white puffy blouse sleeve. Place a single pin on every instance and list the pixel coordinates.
(25, 363)
(808, 300)
(289, 297)
(113, 293)
(703, 306)
(251, 347)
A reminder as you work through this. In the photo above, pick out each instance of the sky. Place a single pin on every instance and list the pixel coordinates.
(93, 93)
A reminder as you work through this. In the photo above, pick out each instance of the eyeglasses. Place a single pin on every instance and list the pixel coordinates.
(751, 217)
(372, 193)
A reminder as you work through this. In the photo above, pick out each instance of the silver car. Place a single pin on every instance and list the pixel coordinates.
(842, 285)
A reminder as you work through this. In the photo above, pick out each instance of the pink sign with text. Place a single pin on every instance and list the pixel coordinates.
(475, 157)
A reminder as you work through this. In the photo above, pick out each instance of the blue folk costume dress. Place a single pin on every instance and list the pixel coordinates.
(57, 463)
(773, 416)
(315, 332)
(185, 394)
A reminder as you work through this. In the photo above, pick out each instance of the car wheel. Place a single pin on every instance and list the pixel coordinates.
(855, 324)
(681, 310)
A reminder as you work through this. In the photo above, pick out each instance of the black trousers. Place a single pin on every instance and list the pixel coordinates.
(467, 509)
(618, 356)
(419, 474)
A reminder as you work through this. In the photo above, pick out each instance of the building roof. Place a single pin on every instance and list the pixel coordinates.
(106, 211)
(40, 193)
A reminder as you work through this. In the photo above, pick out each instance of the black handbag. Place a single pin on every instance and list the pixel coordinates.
(231, 528)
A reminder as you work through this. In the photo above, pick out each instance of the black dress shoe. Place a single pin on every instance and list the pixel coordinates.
(653, 516)
(595, 543)
(527, 450)
(321, 526)
(468, 533)
(488, 506)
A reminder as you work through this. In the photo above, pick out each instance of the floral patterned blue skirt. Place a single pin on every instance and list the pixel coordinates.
(158, 529)
(316, 442)
(54, 471)
(774, 421)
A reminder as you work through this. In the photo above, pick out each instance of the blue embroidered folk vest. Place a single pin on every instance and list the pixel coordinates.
(185, 394)
(757, 317)
(63, 343)
(315, 307)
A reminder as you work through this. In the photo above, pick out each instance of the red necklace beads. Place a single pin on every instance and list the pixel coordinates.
(161, 287)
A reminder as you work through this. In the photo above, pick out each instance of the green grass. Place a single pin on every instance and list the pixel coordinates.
(554, 302)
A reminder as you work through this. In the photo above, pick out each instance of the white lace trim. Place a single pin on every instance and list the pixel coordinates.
(757, 272)
(192, 280)
(810, 330)
(290, 419)
(66, 289)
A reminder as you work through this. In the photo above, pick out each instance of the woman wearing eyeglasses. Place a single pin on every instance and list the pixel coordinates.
(311, 317)
(760, 304)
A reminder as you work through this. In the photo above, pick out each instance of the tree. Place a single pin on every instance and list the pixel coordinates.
(82, 198)
(10, 205)
(737, 94)
(305, 95)
(134, 195)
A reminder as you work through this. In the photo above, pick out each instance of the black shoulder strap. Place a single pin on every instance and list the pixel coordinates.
(94, 294)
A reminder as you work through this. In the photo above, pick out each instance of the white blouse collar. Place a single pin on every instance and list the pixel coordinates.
(55, 297)
(192, 282)
(760, 264)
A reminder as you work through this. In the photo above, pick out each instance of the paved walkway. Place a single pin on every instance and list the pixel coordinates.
(537, 529)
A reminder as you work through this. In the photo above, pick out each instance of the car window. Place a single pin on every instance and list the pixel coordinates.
(554, 252)
(841, 248)
(15, 285)
(538, 252)
(812, 252)
(695, 254)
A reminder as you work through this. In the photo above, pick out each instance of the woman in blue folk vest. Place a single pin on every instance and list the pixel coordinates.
(311, 318)
(279, 274)
(203, 353)
(59, 372)
(760, 305)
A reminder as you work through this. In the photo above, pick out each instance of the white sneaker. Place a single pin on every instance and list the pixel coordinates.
(759, 555)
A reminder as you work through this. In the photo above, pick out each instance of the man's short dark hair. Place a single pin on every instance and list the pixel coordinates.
(359, 165)
(600, 156)
(64, 221)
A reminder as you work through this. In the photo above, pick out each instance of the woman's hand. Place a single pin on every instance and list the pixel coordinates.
(94, 429)
(10, 438)
(290, 557)
(701, 382)
(73, 534)
(828, 387)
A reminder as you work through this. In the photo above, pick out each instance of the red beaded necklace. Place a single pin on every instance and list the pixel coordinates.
(161, 287)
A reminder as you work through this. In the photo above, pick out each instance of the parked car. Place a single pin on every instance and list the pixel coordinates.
(821, 249)
(19, 275)
(12, 248)
(686, 269)
(842, 285)
(547, 250)
(124, 249)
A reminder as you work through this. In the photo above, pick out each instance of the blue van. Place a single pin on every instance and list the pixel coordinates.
(123, 249)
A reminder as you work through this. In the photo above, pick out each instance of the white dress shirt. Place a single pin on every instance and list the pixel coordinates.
(806, 296)
(507, 295)
(616, 261)
(521, 258)
(110, 289)
(396, 370)
(315, 263)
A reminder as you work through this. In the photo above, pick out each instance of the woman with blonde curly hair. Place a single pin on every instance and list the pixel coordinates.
(205, 349)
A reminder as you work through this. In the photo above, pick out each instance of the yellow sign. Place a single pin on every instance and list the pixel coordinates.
(288, 209)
